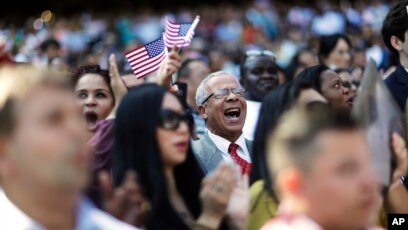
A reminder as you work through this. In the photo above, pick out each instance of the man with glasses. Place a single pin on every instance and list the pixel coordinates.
(259, 75)
(221, 103)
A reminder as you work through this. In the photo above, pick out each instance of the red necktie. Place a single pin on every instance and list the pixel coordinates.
(243, 164)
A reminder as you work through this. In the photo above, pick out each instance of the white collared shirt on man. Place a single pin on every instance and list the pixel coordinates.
(223, 144)
(88, 217)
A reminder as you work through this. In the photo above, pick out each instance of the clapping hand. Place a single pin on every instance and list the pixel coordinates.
(238, 206)
(215, 195)
(125, 202)
(397, 199)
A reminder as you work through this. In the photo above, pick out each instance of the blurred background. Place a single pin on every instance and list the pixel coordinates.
(73, 32)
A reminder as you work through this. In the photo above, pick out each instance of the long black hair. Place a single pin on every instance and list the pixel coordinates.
(136, 147)
(273, 106)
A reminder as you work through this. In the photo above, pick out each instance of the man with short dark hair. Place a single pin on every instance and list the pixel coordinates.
(44, 162)
(320, 163)
(192, 72)
(259, 76)
(395, 36)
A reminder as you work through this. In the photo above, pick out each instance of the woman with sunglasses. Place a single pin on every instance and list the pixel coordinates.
(152, 137)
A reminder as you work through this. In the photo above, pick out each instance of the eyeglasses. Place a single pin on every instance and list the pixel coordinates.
(222, 93)
(171, 120)
(268, 53)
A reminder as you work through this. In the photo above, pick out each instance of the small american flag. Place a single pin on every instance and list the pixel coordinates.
(179, 34)
(147, 58)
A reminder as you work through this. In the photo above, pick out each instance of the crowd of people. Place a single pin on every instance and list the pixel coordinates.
(249, 128)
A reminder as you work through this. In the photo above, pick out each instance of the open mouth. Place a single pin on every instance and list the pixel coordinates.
(350, 100)
(232, 113)
(91, 119)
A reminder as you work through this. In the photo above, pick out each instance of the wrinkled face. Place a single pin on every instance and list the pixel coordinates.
(340, 56)
(261, 76)
(333, 90)
(48, 145)
(340, 188)
(173, 144)
(226, 116)
(95, 98)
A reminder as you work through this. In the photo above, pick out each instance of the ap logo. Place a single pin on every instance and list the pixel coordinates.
(397, 221)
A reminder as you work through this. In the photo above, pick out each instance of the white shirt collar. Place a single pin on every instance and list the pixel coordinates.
(13, 217)
(223, 144)
(88, 217)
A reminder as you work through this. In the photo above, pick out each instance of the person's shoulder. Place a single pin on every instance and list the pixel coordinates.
(95, 218)
(106, 221)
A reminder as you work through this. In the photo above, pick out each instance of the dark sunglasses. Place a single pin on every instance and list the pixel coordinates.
(171, 120)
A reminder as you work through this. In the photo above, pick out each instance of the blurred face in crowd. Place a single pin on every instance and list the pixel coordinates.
(198, 70)
(333, 90)
(306, 59)
(173, 133)
(95, 98)
(340, 56)
(348, 83)
(357, 76)
(47, 146)
(260, 76)
(225, 115)
(52, 51)
(339, 188)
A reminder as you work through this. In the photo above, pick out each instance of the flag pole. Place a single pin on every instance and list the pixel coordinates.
(190, 31)
(165, 48)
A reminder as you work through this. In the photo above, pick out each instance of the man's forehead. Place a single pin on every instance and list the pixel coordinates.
(258, 60)
(222, 81)
(46, 97)
(342, 143)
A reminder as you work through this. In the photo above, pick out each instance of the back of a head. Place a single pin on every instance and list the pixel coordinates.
(135, 132)
(395, 24)
(311, 76)
(16, 82)
(273, 106)
(293, 142)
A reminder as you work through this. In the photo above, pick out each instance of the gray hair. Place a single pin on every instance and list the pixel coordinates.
(201, 93)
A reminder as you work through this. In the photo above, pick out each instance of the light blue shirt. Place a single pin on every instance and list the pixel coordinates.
(88, 216)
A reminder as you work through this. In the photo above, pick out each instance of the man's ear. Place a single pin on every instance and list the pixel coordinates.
(203, 112)
(289, 181)
(396, 43)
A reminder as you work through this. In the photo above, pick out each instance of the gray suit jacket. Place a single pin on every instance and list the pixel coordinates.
(208, 155)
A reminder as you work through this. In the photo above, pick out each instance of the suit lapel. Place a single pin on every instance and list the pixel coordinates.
(210, 155)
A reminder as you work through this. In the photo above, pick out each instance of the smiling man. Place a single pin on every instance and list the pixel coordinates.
(259, 75)
(221, 103)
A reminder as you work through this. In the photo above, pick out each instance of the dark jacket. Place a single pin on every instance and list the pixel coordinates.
(397, 83)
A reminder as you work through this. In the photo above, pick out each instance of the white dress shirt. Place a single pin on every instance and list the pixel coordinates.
(223, 144)
(253, 109)
(88, 217)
